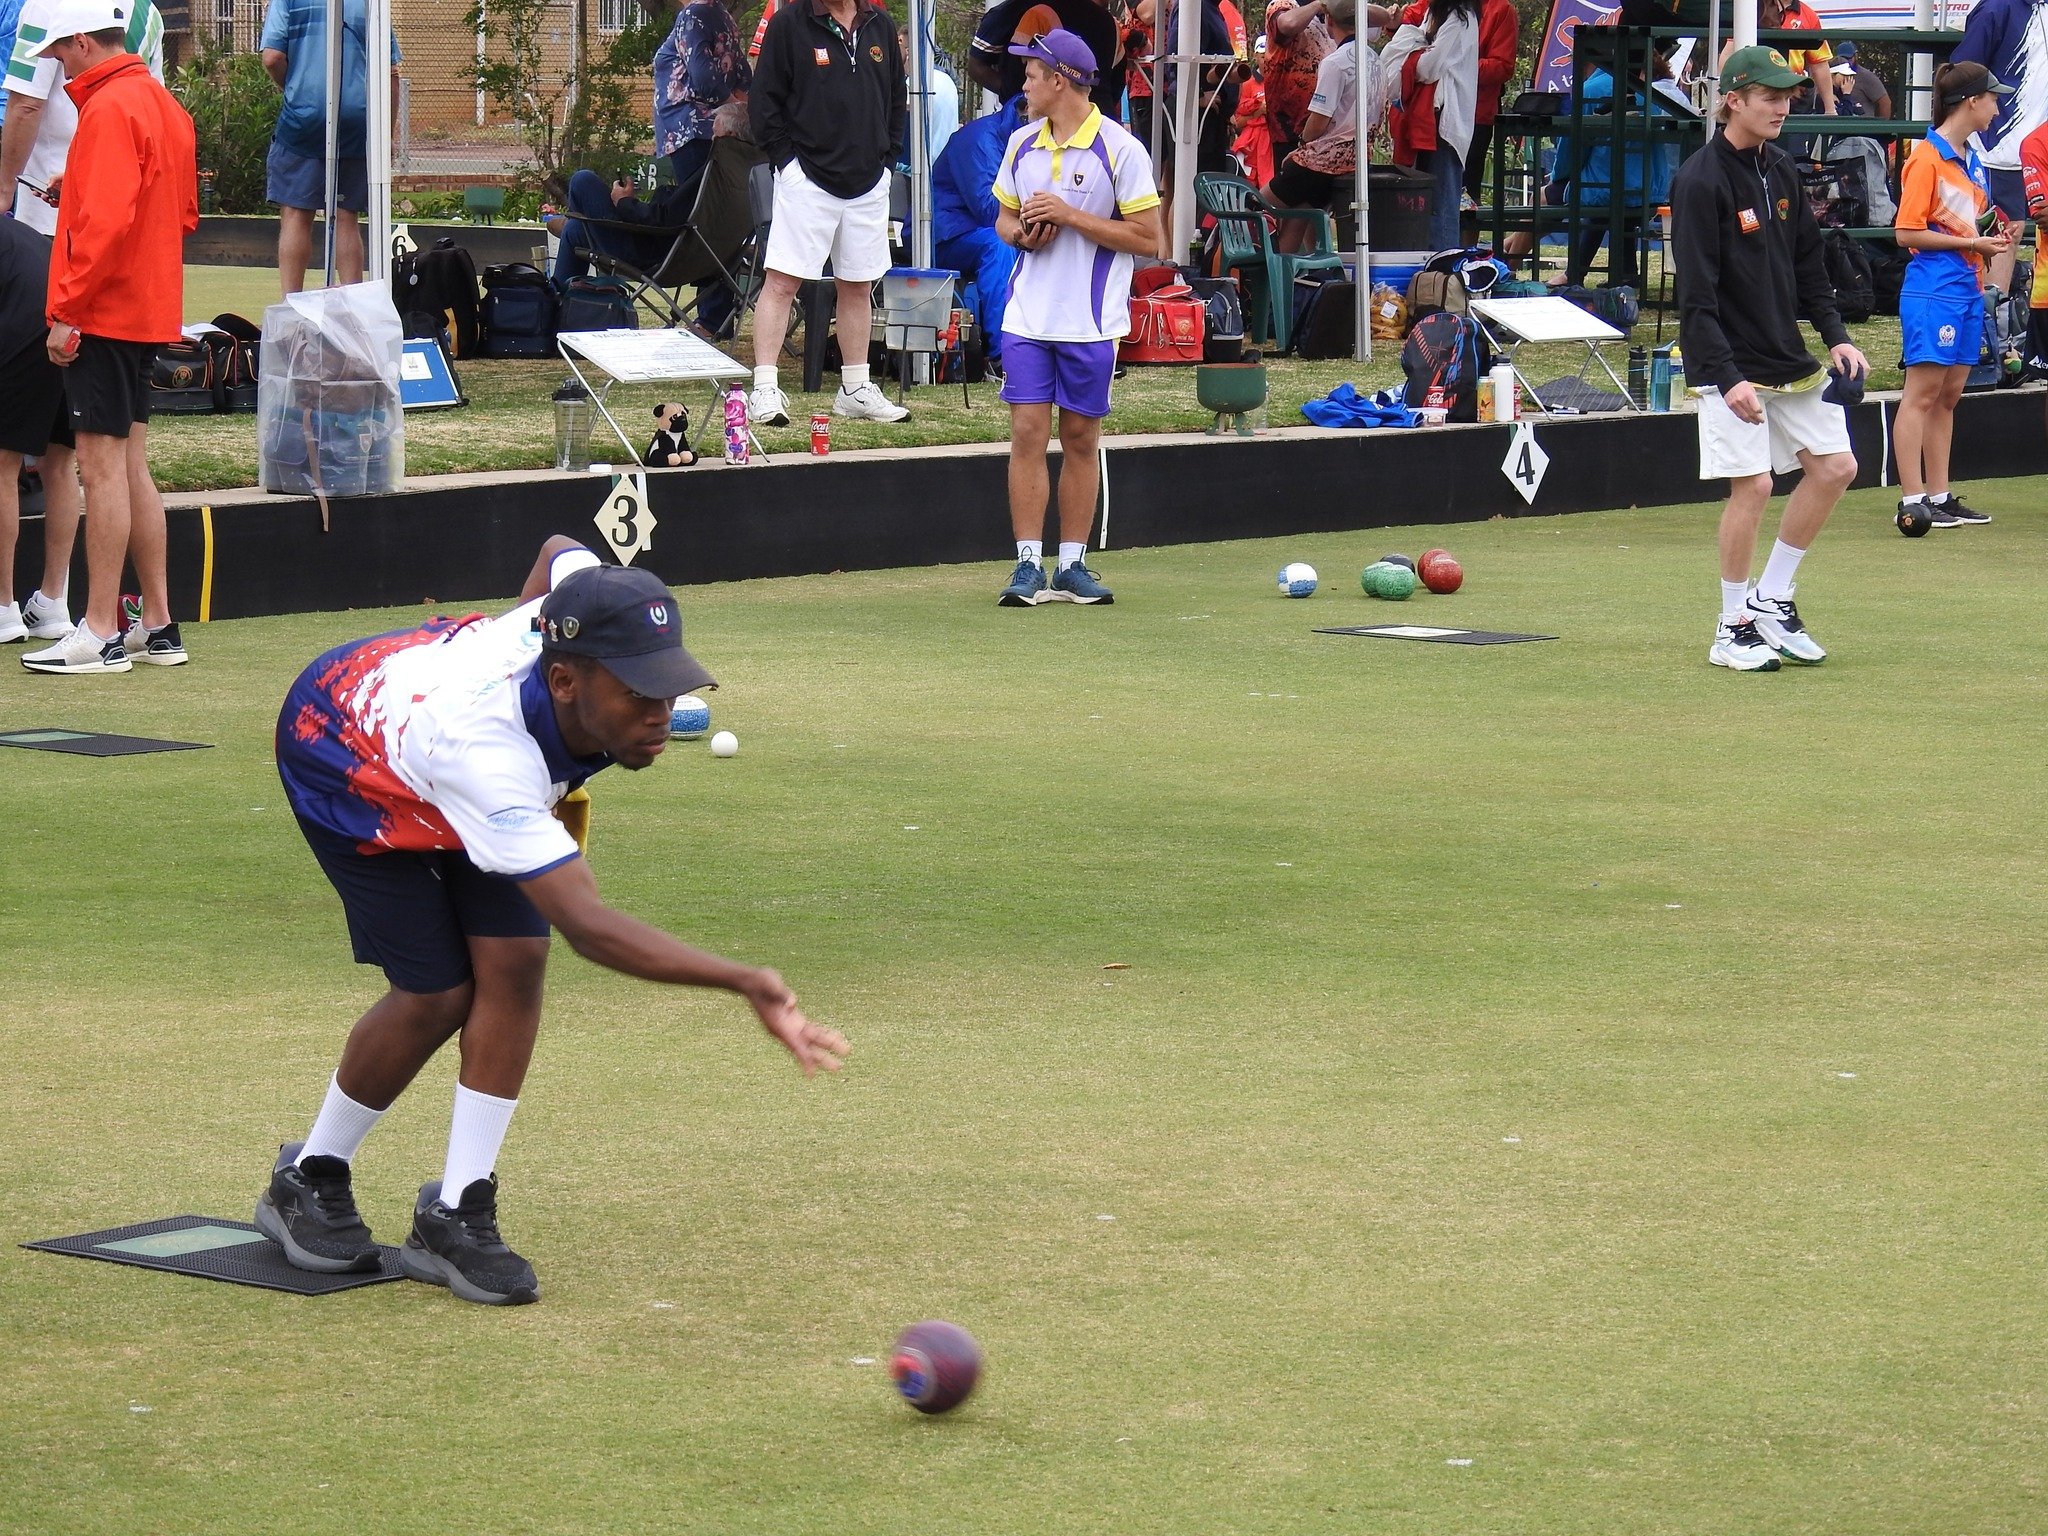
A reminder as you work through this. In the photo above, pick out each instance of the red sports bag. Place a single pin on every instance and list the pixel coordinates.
(1166, 326)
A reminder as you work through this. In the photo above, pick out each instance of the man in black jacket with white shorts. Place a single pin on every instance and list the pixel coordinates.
(1749, 266)
(829, 106)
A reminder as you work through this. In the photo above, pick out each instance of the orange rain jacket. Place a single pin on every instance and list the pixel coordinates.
(130, 196)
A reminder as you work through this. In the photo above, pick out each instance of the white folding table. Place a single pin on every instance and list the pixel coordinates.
(649, 357)
(1510, 323)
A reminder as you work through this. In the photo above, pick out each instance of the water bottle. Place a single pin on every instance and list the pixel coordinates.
(735, 425)
(1677, 374)
(1660, 378)
(1639, 378)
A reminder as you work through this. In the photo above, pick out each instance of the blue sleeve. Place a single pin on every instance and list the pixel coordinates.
(276, 26)
(715, 65)
(1985, 34)
(987, 148)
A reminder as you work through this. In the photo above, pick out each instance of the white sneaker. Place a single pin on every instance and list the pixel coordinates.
(11, 627)
(46, 618)
(1740, 648)
(1777, 620)
(768, 406)
(81, 651)
(867, 403)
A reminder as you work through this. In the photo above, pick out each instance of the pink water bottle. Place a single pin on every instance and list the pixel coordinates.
(735, 425)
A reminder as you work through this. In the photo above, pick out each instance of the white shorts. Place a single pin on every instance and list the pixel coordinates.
(811, 225)
(1731, 448)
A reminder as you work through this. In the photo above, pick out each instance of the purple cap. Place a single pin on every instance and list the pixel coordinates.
(1064, 53)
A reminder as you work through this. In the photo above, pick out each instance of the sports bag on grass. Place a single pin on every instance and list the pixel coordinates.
(181, 379)
(596, 303)
(237, 344)
(518, 311)
(1166, 327)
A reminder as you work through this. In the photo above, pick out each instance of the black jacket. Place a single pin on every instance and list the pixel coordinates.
(833, 101)
(1749, 267)
(24, 285)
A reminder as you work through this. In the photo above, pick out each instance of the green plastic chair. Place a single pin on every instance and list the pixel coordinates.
(1266, 275)
(482, 205)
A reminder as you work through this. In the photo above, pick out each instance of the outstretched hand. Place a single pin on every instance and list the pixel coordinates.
(813, 1045)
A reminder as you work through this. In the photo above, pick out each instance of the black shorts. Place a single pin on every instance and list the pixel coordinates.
(1301, 188)
(33, 414)
(412, 914)
(108, 384)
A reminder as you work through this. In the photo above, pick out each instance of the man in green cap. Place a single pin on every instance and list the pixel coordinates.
(1749, 268)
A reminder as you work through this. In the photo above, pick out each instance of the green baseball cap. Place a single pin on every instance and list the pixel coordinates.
(1759, 66)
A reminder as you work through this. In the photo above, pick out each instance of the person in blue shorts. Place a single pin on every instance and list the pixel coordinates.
(1076, 196)
(294, 47)
(1944, 208)
(434, 773)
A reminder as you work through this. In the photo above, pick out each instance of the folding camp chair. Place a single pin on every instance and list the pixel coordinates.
(718, 245)
(1245, 240)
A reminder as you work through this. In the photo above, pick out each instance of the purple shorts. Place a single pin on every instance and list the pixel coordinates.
(1073, 375)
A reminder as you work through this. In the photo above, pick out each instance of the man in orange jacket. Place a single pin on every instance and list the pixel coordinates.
(129, 196)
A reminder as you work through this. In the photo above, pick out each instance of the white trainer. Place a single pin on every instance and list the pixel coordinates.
(11, 627)
(1777, 620)
(768, 406)
(46, 618)
(81, 651)
(867, 403)
(1740, 648)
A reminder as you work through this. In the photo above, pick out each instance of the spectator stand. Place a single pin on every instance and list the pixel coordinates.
(1633, 133)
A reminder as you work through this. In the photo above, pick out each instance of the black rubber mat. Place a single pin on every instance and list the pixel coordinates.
(94, 743)
(213, 1248)
(1434, 632)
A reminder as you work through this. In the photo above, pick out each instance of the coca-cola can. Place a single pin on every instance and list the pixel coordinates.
(821, 433)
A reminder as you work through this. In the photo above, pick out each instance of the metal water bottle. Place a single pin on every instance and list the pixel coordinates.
(735, 425)
(1639, 378)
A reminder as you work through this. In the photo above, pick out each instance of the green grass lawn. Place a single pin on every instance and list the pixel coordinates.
(509, 423)
(1556, 1088)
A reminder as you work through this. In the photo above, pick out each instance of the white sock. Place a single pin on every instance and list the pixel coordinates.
(48, 601)
(474, 1136)
(1780, 570)
(341, 1126)
(1934, 496)
(853, 375)
(764, 376)
(1907, 501)
(1734, 594)
(1070, 554)
(1032, 550)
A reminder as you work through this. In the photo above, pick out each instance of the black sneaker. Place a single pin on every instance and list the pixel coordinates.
(310, 1212)
(160, 647)
(461, 1249)
(1940, 515)
(1952, 504)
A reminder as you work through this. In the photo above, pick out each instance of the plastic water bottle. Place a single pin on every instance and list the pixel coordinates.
(735, 425)
(1677, 375)
(1660, 378)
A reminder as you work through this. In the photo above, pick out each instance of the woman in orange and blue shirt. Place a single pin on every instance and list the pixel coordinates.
(1944, 209)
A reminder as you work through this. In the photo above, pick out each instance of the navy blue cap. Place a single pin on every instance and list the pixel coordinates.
(630, 622)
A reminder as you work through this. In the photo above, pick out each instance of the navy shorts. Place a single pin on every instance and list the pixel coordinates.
(1074, 375)
(300, 181)
(412, 914)
(1942, 329)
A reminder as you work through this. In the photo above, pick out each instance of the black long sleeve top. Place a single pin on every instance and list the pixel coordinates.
(832, 98)
(1749, 268)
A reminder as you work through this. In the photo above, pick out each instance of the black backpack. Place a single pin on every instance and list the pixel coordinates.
(1443, 358)
(1850, 274)
(434, 292)
(237, 345)
(518, 311)
(597, 304)
(1325, 315)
